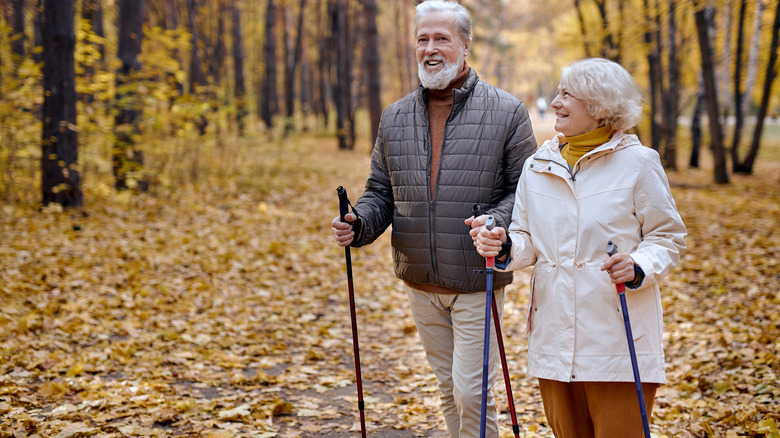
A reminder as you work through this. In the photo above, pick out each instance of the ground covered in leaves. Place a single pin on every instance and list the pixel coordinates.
(223, 312)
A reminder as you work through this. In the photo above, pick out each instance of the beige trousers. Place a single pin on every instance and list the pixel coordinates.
(452, 331)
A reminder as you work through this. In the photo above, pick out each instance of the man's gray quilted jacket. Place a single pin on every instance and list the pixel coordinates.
(487, 138)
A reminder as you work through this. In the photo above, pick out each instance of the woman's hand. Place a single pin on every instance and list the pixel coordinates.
(620, 268)
(487, 242)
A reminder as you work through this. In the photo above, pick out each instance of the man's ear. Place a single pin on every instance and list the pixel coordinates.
(467, 49)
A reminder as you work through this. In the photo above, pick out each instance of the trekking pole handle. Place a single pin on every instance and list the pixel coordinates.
(343, 202)
(612, 249)
(490, 223)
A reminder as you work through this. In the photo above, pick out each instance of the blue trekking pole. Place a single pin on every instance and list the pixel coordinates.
(499, 337)
(612, 249)
(489, 263)
(343, 210)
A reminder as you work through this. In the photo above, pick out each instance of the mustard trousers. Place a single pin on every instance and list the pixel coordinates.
(595, 409)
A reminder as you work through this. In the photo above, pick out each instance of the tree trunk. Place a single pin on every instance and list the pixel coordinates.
(655, 77)
(171, 21)
(696, 128)
(406, 64)
(351, 30)
(372, 68)
(609, 48)
(752, 65)
(671, 96)
(700, 107)
(171, 14)
(59, 154)
(38, 31)
(197, 78)
(324, 64)
(771, 73)
(622, 27)
(269, 100)
(342, 95)
(583, 28)
(724, 71)
(238, 67)
(216, 64)
(399, 39)
(288, 85)
(356, 82)
(92, 11)
(17, 30)
(708, 76)
(293, 58)
(127, 158)
(739, 116)
(408, 54)
(306, 80)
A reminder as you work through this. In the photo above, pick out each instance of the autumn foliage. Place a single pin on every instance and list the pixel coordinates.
(219, 309)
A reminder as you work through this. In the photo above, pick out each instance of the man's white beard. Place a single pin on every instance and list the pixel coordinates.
(442, 79)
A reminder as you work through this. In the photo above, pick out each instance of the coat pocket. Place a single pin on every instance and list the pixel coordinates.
(529, 323)
(634, 317)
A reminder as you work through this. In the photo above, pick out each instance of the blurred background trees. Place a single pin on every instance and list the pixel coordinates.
(163, 86)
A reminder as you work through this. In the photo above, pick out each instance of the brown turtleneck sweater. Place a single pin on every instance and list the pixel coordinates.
(439, 108)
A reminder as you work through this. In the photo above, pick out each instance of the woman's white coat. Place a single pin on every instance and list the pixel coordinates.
(561, 223)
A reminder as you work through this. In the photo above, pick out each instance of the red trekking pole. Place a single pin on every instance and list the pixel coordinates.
(612, 249)
(515, 427)
(343, 210)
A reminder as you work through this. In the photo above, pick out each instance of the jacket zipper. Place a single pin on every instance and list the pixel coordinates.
(431, 197)
(432, 204)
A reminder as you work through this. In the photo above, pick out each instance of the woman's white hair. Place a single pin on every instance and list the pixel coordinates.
(462, 16)
(607, 89)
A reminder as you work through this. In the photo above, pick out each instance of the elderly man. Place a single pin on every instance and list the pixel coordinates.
(454, 142)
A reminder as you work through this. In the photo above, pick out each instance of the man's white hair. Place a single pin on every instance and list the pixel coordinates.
(462, 16)
(609, 92)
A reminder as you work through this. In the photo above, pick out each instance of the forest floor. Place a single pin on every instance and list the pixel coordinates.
(222, 311)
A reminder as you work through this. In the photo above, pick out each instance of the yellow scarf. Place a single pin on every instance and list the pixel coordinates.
(580, 145)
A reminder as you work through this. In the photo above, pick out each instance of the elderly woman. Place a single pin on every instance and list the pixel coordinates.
(590, 184)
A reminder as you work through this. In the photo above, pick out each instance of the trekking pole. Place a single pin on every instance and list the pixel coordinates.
(515, 427)
(343, 210)
(500, 338)
(489, 263)
(612, 249)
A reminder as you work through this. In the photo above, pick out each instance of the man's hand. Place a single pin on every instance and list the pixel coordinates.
(343, 230)
(487, 242)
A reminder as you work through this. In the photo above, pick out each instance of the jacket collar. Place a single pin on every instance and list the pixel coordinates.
(458, 94)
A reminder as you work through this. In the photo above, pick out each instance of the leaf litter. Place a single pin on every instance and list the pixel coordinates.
(222, 312)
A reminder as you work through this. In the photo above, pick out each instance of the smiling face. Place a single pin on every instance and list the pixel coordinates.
(440, 50)
(572, 116)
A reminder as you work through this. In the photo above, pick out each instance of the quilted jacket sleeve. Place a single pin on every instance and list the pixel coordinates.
(375, 206)
(520, 145)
